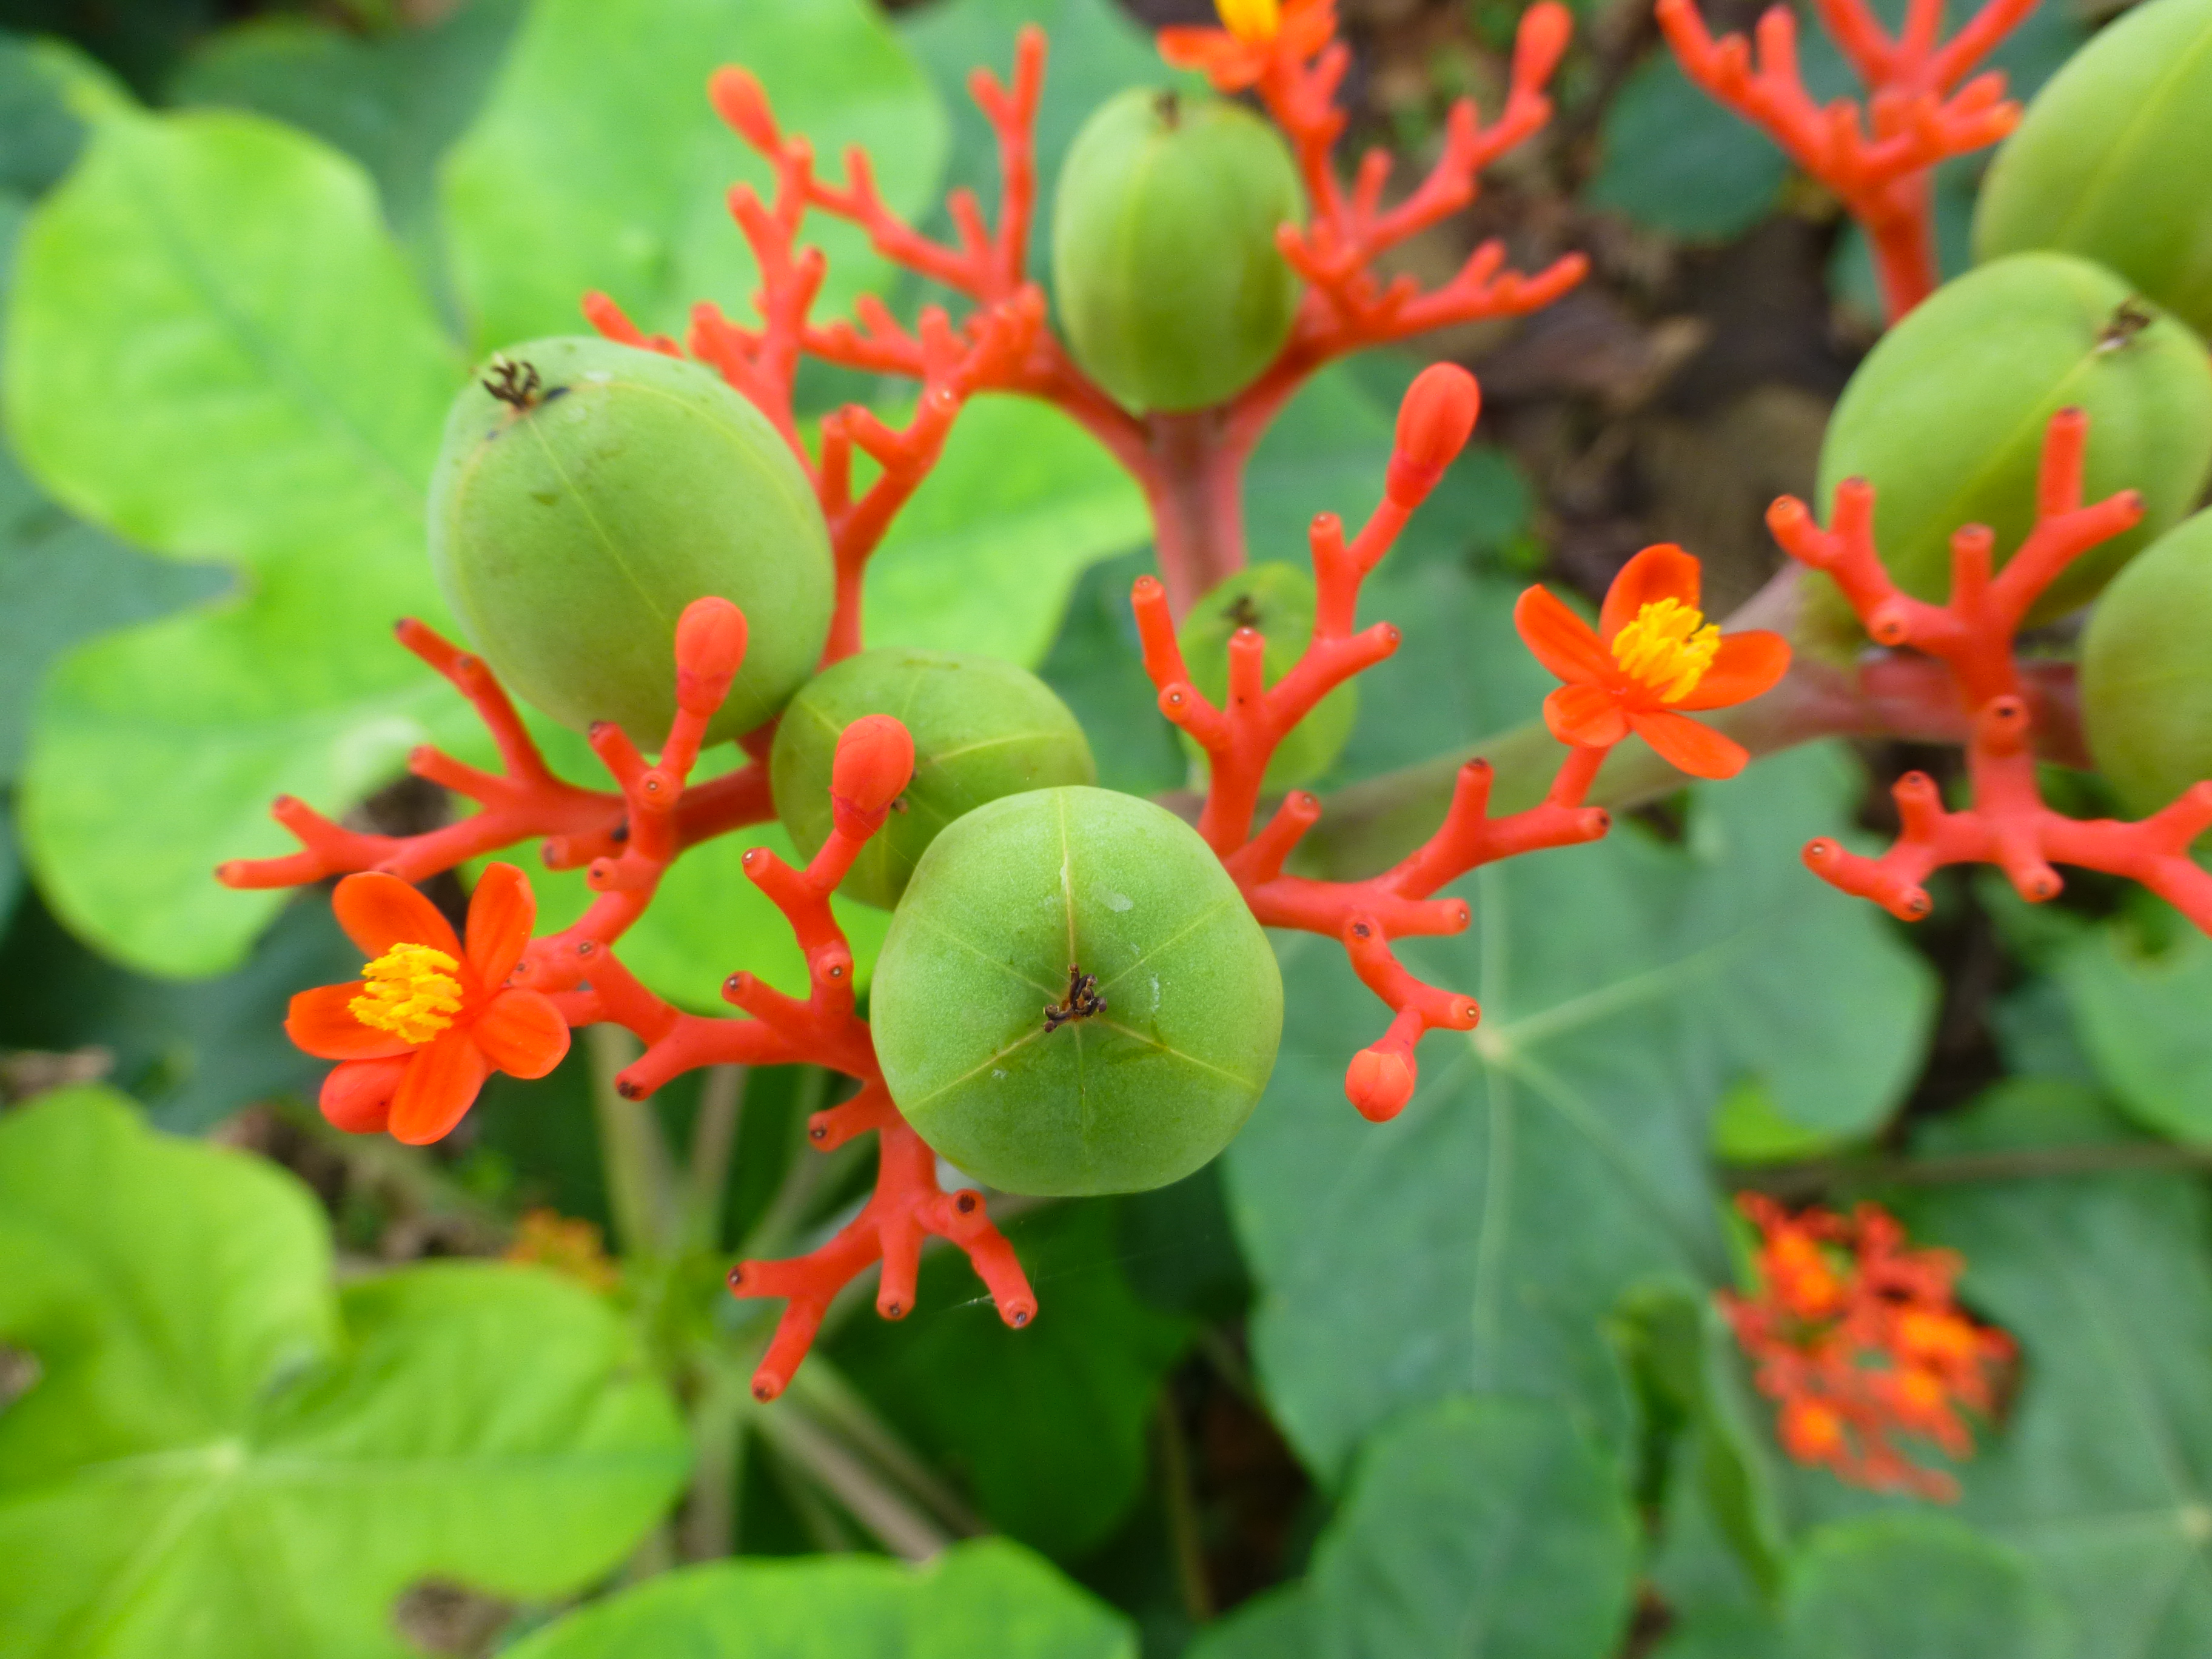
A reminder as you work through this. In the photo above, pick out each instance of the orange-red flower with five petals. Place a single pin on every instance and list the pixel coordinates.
(430, 1018)
(1652, 656)
(1253, 35)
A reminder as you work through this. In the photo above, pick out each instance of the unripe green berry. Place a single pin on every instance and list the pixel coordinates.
(1170, 283)
(982, 728)
(1946, 417)
(2146, 672)
(587, 492)
(1279, 600)
(2113, 160)
(1073, 997)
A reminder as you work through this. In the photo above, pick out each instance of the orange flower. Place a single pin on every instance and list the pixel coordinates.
(428, 1020)
(1651, 655)
(1255, 32)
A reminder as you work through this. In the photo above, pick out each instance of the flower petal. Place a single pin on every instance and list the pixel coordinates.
(1584, 716)
(522, 1033)
(1689, 747)
(1746, 664)
(1663, 572)
(321, 1022)
(440, 1087)
(1560, 640)
(501, 912)
(358, 1096)
(380, 911)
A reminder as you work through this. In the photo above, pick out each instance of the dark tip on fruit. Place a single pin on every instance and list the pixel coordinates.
(894, 1310)
(737, 1276)
(628, 1090)
(1361, 930)
(837, 970)
(619, 835)
(517, 386)
(2130, 318)
(1018, 1317)
(1916, 903)
(585, 947)
(818, 1131)
(965, 1203)
(732, 984)
(764, 1390)
(1169, 107)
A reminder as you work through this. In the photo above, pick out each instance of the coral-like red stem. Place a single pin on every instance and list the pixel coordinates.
(1917, 118)
(580, 826)
(1240, 738)
(2007, 824)
(1347, 306)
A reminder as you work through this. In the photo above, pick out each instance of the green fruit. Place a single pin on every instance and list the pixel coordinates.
(1059, 899)
(1279, 600)
(571, 521)
(2113, 160)
(982, 729)
(2147, 671)
(1164, 257)
(1946, 417)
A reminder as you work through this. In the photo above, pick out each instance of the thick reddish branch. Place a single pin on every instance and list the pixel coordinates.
(1917, 118)
(581, 828)
(1240, 738)
(2007, 825)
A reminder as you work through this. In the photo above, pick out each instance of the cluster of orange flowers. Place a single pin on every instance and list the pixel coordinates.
(1859, 1338)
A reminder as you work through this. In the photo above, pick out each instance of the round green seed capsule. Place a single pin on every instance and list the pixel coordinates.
(982, 729)
(1279, 600)
(2112, 160)
(1164, 265)
(2147, 671)
(1946, 417)
(1073, 997)
(587, 492)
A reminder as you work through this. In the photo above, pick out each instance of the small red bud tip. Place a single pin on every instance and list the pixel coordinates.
(738, 100)
(710, 638)
(875, 758)
(1546, 30)
(1434, 423)
(1379, 1083)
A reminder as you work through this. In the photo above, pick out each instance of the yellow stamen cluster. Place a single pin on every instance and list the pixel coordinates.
(1254, 21)
(1666, 648)
(410, 991)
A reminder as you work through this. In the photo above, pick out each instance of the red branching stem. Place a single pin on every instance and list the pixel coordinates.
(590, 985)
(1240, 738)
(1919, 112)
(579, 826)
(1347, 306)
(2007, 825)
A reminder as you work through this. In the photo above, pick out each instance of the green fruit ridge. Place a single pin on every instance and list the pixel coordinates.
(1278, 599)
(1165, 269)
(573, 519)
(1946, 417)
(1073, 997)
(2113, 160)
(982, 729)
(2146, 672)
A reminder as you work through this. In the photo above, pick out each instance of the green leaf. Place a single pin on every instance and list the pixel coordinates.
(1480, 1525)
(1282, 1624)
(394, 103)
(1096, 52)
(2146, 1020)
(985, 557)
(1626, 987)
(191, 1054)
(1676, 160)
(2099, 1475)
(987, 1598)
(1917, 1587)
(599, 163)
(222, 1458)
(1047, 1426)
(216, 351)
(60, 579)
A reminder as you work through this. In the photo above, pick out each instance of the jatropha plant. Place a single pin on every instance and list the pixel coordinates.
(1077, 993)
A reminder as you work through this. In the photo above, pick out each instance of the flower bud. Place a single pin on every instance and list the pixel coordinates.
(1434, 423)
(1379, 1082)
(875, 758)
